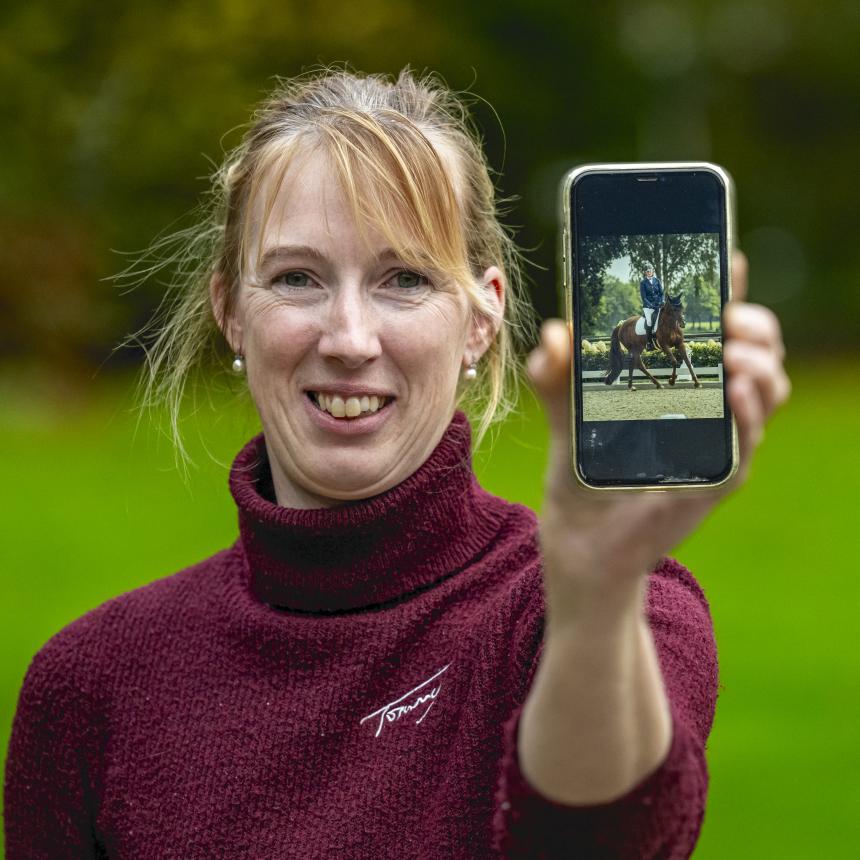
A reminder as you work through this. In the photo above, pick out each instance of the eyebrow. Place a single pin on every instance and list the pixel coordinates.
(282, 251)
(288, 251)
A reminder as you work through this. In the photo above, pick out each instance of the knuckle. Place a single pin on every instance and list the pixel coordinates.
(734, 352)
(730, 312)
(771, 323)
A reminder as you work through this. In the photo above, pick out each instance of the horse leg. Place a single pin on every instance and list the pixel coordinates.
(696, 382)
(630, 385)
(674, 362)
(645, 371)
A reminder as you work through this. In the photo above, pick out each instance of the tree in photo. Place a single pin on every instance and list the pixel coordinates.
(702, 299)
(674, 255)
(595, 258)
(619, 301)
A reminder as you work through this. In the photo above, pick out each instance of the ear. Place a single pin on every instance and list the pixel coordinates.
(483, 328)
(225, 316)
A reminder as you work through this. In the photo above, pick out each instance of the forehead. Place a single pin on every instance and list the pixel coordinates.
(306, 191)
(302, 203)
(308, 194)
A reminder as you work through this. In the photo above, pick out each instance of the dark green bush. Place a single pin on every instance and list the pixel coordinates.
(702, 354)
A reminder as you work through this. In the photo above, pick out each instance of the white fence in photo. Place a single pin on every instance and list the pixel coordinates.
(712, 375)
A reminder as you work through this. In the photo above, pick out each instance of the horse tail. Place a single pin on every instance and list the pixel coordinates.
(616, 358)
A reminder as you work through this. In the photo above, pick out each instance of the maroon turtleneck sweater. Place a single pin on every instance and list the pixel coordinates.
(340, 682)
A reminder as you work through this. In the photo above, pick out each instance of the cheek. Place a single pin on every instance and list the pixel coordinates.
(428, 350)
(279, 337)
(277, 342)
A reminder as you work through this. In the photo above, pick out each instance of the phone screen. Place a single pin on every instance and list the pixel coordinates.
(649, 272)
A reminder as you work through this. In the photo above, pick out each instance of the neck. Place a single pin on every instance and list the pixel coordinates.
(292, 494)
(370, 551)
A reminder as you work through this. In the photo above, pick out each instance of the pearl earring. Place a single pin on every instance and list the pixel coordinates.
(239, 364)
(471, 371)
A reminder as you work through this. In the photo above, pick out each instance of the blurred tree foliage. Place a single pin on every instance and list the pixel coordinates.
(619, 301)
(115, 113)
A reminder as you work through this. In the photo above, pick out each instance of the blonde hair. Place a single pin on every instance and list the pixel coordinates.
(410, 162)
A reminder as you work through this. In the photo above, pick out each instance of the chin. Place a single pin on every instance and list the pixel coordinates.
(348, 487)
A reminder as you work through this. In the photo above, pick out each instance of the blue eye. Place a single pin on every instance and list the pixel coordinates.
(292, 279)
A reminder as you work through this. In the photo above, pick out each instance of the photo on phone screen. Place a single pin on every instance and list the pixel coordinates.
(650, 323)
(646, 248)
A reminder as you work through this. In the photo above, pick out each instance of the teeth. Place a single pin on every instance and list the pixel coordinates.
(350, 407)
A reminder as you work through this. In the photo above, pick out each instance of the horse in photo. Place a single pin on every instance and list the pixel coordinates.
(668, 335)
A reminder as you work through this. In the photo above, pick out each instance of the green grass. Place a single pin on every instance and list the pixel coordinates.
(93, 510)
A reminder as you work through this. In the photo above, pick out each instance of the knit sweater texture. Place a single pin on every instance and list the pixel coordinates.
(342, 682)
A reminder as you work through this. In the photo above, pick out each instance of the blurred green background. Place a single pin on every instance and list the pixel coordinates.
(114, 115)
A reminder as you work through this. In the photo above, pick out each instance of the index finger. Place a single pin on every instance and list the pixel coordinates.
(754, 323)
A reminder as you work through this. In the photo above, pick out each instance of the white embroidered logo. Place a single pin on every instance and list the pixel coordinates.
(393, 711)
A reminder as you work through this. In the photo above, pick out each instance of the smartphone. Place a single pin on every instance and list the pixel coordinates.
(645, 251)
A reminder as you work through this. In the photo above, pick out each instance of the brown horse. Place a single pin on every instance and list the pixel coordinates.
(667, 336)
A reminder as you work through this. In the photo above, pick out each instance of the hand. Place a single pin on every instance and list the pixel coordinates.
(599, 548)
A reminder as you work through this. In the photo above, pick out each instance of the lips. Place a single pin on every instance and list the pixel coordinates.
(358, 426)
(348, 406)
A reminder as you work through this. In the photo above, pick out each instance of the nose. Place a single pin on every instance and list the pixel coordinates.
(349, 328)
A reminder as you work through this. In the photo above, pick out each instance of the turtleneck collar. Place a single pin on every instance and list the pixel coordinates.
(370, 551)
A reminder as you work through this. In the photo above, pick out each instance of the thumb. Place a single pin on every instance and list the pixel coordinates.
(548, 368)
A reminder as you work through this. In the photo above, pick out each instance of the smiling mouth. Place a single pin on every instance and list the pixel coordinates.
(348, 408)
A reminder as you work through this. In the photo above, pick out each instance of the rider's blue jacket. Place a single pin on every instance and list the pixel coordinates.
(651, 291)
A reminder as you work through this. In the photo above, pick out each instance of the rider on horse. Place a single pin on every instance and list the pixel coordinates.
(651, 291)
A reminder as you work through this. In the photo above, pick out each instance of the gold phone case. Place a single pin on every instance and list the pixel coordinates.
(566, 263)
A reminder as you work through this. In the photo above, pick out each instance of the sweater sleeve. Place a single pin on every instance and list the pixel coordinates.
(47, 798)
(661, 816)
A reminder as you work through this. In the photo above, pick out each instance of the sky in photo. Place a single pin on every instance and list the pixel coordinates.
(620, 268)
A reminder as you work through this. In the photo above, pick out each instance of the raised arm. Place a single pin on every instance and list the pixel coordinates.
(661, 814)
(599, 718)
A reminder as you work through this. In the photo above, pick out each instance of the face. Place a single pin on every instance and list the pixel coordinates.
(649, 273)
(339, 322)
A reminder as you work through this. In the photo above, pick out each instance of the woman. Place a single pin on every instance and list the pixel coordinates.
(651, 293)
(389, 661)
